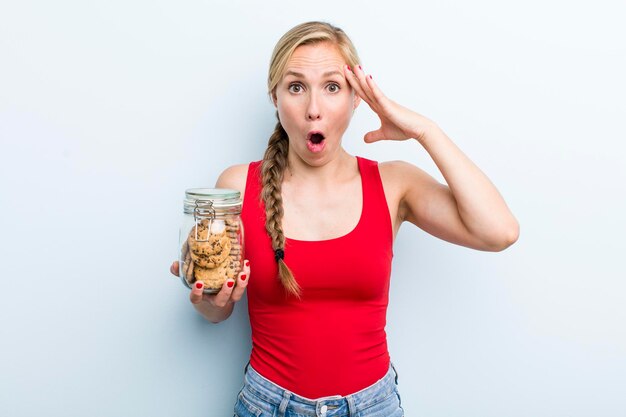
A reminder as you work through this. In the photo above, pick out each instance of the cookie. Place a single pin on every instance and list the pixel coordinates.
(208, 250)
(235, 265)
(214, 278)
(211, 254)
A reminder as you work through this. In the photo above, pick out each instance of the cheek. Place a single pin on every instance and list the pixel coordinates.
(286, 114)
(343, 112)
(288, 105)
(345, 104)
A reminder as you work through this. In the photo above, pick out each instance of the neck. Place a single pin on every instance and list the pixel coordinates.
(334, 170)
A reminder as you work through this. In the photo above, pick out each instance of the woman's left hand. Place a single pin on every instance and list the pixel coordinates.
(397, 122)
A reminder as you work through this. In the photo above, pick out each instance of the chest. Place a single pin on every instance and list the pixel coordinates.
(321, 214)
(338, 244)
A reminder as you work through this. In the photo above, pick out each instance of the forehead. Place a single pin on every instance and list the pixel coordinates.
(321, 56)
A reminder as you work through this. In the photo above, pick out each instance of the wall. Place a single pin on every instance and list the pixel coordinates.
(109, 110)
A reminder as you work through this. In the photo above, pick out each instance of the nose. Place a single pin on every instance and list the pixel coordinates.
(313, 111)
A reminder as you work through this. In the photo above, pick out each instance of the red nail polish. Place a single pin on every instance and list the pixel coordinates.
(247, 263)
(198, 285)
(370, 76)
(230, 284)
(243, 277)
(360, 68)
(349, 69)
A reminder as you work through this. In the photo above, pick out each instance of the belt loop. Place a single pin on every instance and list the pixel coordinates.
(396, 372)
(283, 404)
(351, 406)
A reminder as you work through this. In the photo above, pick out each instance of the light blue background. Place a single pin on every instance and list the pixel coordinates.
(109, 110)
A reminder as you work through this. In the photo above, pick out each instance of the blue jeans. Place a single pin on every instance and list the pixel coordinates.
(260, 397)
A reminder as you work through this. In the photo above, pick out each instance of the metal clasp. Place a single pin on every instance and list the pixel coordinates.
(203, 211)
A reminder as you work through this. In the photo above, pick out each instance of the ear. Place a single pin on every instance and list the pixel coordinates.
(356, 101)
(274, 99)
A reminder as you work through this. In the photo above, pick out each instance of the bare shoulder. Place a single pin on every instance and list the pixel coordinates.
(407, 188)
(399, 175)
(234, 177)
(399, 168)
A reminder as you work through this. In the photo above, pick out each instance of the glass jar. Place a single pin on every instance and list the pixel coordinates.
(211, 237)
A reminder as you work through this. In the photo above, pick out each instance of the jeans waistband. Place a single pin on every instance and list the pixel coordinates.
(282, 398)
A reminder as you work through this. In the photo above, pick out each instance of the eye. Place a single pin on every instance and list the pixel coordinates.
(335, 87)
(290, 88)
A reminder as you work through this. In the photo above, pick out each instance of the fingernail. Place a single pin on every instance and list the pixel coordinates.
(360, 68)
(247, 263)
(198, 285)
(349, 69)
(230, 284)
(243, 277)
(370, 76)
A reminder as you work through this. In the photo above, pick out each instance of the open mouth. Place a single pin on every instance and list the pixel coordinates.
(315, 141)
(316, 137)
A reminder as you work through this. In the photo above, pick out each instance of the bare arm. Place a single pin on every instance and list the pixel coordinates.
(469, 210)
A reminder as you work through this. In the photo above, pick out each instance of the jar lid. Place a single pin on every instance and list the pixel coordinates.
(220, 197)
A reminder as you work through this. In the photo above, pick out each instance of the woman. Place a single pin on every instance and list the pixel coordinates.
(320, 225)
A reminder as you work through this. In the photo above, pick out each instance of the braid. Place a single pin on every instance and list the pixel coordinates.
(272, 170)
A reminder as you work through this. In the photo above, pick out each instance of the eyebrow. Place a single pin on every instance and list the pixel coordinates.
(326, 74)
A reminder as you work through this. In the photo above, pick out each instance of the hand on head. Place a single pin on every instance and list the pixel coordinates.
(397, 122)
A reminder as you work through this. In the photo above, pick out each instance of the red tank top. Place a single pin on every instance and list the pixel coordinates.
(333, 340)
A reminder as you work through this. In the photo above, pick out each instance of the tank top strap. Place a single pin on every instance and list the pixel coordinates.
(376, 210)
(252, 192)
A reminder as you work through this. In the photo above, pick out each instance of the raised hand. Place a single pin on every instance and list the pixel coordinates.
(397, 122)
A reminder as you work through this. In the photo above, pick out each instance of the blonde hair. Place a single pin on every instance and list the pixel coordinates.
(275, 158)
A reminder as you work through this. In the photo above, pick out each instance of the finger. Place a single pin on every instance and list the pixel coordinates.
(356, 84)
(196, 292)
(242, 282)
(174, 269)
(373, 136)
(377, 94)
(361, 77)
(379, 102)
(222, 297)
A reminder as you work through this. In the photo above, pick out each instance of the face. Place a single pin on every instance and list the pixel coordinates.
(314, 97)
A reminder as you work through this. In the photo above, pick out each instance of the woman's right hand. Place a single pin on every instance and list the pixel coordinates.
(210, 304)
